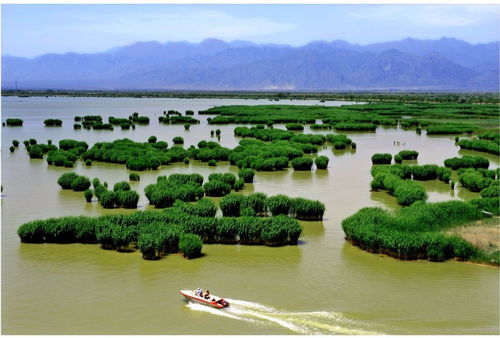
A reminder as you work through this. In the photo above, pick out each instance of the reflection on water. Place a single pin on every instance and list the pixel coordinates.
(323, 286)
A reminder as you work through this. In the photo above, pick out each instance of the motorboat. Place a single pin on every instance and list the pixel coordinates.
(212, 300)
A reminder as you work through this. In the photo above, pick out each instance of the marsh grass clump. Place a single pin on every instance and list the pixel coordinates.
(305, 209)
(37, 151)
(408, 154)
(186, 178)
(58, 157)
(391, 179)
(117, 121)
(226, 178)
(203, 207)
(381, 158)
(308, 139)
(258, 204)
(323, 126)
(126, 199)
(77, 147)
(294, 126)
(400, 170)
(107, 199)
(175, 187)
(53, 123)
(443, 174)
(262, 156)
(239, 184)
(349, 126)
(216, 188)
(474, 180)
(149, 245)
(489, 204)
(278, 205)
(450, 128)
(176, 119)
(281, 230)
(121, 186)
(409, 192)
(178, 140)
(65, 180)
(15, 143)
(11, 148)
(209, 151)
(321, 162)
(231, 205)
(339, 145)
(190, 245)
(424, 172)
(246, 174)
(136, 156)
(492, 147)
(13, 122)
(134, 177)
(302, 163)
(493, 190)
(264, 134)
(88, 194)
(135, 118)
(466, 162)
(157, 234)
(414, 232)
(80, 183)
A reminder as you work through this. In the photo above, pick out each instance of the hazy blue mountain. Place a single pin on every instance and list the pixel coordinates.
(409, 64)
(458, 51)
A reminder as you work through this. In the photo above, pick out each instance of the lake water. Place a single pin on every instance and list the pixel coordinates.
(322, 286)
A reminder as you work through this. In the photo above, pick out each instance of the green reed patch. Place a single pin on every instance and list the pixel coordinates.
(415, 232)
(157, 234)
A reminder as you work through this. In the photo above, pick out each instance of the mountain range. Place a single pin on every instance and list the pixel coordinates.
(409, 64)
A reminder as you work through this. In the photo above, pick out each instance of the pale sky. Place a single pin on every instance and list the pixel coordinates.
(32, 30)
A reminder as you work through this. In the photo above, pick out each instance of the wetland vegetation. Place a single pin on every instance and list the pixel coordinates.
(234, 233)
(266, 148)
(417, 232)
(157, 234)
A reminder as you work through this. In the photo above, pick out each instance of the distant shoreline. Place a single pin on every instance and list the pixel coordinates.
(366, 96)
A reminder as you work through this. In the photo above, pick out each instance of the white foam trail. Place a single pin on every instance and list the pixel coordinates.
(248, 304)
(218, 312)
(320, 322)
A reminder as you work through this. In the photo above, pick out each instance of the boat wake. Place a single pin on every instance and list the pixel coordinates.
(320, 322)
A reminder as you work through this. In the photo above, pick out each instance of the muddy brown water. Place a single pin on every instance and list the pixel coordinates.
(322, 286)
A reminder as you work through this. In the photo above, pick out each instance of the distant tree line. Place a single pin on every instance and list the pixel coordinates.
(366, 96)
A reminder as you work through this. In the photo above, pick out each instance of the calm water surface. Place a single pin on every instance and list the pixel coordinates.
(322, 286)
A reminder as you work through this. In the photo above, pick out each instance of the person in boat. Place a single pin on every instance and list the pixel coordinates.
(198, 292)
(207, 295)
